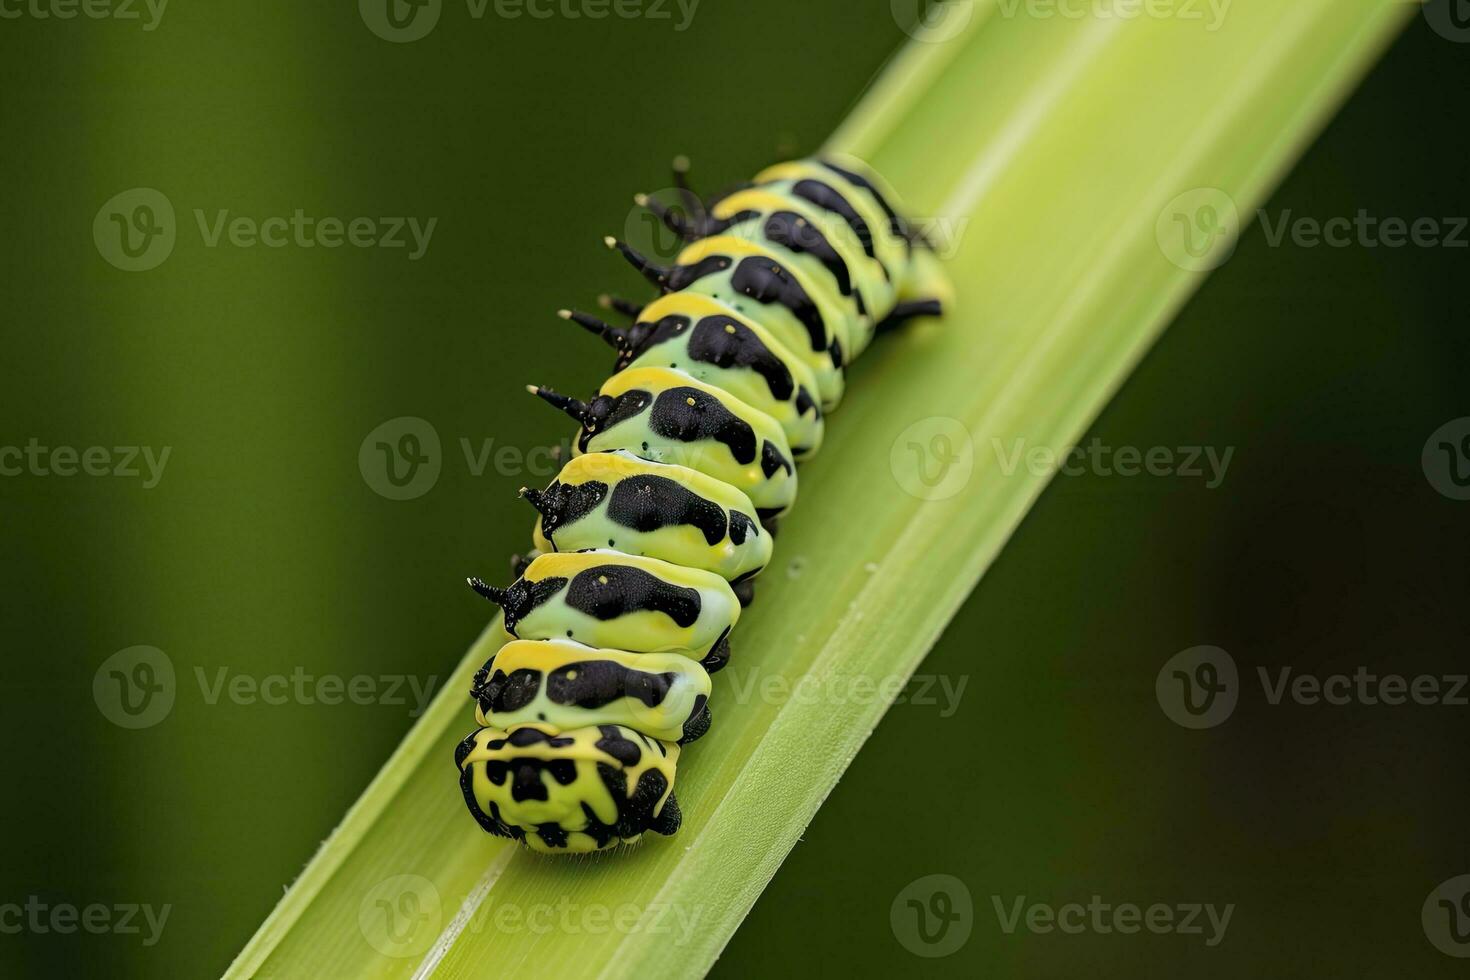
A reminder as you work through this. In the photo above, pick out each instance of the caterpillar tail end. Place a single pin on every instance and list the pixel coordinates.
(578, 791)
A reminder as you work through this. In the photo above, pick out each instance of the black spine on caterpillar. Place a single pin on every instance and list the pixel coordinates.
(649, 539)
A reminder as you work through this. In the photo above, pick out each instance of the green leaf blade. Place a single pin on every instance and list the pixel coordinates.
(1060, 143)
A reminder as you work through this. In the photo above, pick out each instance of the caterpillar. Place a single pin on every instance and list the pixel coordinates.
(647, 543)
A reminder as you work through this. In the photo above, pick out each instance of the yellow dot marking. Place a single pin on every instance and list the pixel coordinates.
(729, 328)
(690, 401)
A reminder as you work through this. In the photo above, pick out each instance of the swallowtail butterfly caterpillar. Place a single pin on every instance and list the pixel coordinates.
(647, 541)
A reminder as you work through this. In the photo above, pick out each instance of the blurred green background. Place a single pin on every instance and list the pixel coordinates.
(263, 550)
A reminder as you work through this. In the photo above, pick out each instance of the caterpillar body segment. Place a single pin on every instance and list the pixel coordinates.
(712, 343)
(623, 602)
(573, 791)
(667, 416)
(759, 283)
(566, 685)
(654, 510)
(850, 189)
(814, 240)
(649, 539)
